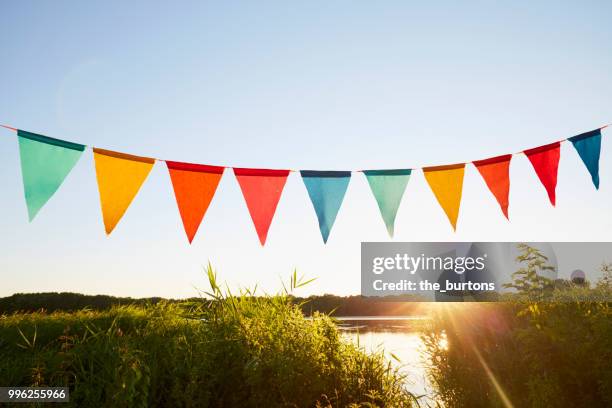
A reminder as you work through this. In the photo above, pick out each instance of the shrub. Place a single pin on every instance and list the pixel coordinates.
(525, 353)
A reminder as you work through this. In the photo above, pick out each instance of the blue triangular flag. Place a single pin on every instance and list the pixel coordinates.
(326, 190)
(588, 146)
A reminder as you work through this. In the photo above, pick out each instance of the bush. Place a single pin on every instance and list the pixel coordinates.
(525, 353)
(536, 355)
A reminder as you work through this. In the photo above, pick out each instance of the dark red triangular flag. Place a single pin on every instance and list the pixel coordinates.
(545, 161)
(262, 190)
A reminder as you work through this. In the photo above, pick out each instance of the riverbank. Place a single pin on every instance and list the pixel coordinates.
(246, 352)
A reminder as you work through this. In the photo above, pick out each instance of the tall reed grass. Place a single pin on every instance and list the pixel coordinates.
(224, 351)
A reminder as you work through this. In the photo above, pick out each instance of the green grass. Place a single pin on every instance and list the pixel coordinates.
(233, 351)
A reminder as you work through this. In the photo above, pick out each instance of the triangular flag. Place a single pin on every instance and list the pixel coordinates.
(119, 176)
(388, 187)
(326, 190)
(262, 189)
(45, 163)
(496, 173)
(446, 182)
(588, 146)
(545, 162)
(194, 187)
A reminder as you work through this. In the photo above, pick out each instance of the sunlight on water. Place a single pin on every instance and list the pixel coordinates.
(398, 337)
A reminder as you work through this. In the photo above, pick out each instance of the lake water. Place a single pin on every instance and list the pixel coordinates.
(397, 335)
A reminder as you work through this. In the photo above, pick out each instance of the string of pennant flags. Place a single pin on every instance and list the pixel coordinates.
(46, 162)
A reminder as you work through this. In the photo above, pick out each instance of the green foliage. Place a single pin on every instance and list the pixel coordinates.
(234, 351)
(67, 302)
(529, 280)
(606, 279)
(328, 304)
(553, 353)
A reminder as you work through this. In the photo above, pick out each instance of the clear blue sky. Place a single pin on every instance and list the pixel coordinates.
(317, 85)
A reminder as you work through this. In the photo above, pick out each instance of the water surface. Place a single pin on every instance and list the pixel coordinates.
(397, 336)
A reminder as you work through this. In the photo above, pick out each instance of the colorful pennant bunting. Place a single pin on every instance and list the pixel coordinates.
(326, 190)
(496, 173)
(588, 146)
(262, 189)
(545, 161)
(120, 177)
(446, 182)
(388, 187)
(194, 187)
(45, 163)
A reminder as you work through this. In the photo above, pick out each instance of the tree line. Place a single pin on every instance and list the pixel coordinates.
(329, 304)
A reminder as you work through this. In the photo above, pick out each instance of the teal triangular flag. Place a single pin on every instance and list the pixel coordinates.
(588, 146)
(326, 190)
(388, 187)
(45, 163)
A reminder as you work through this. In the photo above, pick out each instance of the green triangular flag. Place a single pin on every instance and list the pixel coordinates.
(388, 187)
(45, 163)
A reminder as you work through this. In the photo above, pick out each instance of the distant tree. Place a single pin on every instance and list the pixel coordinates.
(66, 301)
(562, 284)
(529, 280)
(605, 281)
(329, 304)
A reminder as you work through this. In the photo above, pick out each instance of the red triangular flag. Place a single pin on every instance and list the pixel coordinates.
(194, 187)
(545, 161)
(262, 190)
(496, 173)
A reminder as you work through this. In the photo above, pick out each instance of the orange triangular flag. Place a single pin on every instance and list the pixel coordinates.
(496, 173)
(262, 189)
(446, 182)
(194, 187)
(119, 176)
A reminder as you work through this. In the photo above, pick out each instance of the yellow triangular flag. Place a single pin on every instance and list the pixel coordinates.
(446, 182)
(119, 178)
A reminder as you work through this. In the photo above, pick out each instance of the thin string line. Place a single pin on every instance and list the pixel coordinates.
(354, 171)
